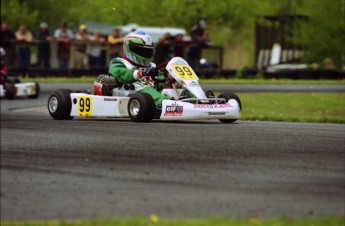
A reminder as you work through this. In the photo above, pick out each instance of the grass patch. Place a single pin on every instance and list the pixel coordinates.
(82, 79)
(270, 81)
(294, 107)
(155, 221)
(91, 79)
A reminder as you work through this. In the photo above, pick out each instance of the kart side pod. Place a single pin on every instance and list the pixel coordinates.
(99, 106)
(179, 110)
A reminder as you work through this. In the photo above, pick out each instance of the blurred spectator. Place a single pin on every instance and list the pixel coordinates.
(163, 51)
(80, 55)
(64, 37)
(179, 46)
(95, 49)
(43, 36)
(199, 39)
(24, 38)
(115, 41)
(7, 38)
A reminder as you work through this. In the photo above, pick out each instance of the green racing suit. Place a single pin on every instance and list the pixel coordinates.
(127, 73)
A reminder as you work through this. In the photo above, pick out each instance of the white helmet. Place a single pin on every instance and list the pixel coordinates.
(2, 52)
(138, 48)
(2, 55)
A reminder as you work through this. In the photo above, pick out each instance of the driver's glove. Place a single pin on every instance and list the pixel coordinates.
(152, 72)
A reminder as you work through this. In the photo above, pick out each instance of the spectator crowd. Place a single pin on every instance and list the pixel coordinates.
(84, 50)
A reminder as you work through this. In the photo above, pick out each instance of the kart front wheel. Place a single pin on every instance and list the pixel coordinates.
(141, 107)
(59, 104)
(227, 97)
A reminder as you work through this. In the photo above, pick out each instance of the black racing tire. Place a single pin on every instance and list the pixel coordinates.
(37, 91)
(60, 105)
(12, 79)
(227, 97)
(10, 91)
(141, 107)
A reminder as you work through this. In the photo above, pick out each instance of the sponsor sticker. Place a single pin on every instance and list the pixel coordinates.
(173, 110)
(110, 99)
(211, 105)
(193, 84)
(216, 113)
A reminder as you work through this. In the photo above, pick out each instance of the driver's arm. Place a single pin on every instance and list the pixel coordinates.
(123, 74)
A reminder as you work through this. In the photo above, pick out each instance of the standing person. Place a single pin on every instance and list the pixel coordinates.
(80, 56)
(179, 46)
(199, 39)
(95, 49)
(43, 36)
(64, 37)
(24, 38)
(7, 42)
(163, 51)
(115, 41)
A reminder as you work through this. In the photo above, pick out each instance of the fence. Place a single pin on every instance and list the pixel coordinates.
(212, 55)
(278, 29)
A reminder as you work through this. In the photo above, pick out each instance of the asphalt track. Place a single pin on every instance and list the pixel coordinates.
(113, 167)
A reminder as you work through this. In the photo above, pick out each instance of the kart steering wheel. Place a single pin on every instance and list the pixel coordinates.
(159, 67)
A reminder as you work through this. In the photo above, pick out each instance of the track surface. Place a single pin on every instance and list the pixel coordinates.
(85, 168)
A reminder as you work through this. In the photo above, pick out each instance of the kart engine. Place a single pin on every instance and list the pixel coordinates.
(106, 79)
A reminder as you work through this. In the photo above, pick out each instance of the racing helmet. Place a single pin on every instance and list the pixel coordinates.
(2, 55)
(138, 48)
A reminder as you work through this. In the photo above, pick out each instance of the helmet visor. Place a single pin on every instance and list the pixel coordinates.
(141, 50)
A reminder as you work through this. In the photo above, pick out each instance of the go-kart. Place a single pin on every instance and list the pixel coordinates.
(110, 98)
(15, 88)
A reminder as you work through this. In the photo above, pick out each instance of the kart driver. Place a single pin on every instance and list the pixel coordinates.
(4, 68)
(136, 65)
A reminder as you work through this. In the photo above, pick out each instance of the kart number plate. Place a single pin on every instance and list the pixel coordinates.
(184, 72)
(85, 106)
(33, 89)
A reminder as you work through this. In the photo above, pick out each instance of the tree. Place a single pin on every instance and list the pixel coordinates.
(15, 13)
(323, 35)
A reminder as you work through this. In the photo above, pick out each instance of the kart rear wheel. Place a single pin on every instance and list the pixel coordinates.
(59, 104)
(10, 91)
(141, 107)
(227, 97)
(37, 91)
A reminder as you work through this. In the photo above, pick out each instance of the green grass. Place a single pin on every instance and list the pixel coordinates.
(91, 79)
(294, 107)
(269, 81)
(83, 79)
(155, 221)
